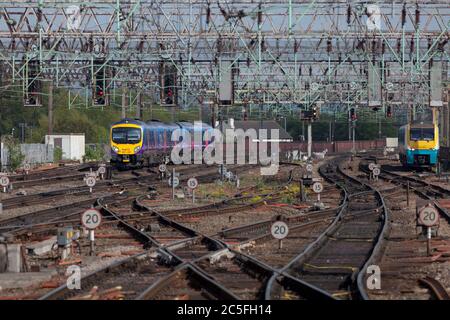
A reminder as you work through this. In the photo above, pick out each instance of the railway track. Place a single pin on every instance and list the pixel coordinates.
(190, 258)
(436, 287)
(336, 262)
(46, 219)
(424, 189)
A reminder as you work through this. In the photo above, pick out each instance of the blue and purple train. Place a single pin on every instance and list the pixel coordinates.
(138, 143)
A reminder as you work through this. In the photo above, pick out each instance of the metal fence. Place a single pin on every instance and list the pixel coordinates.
(33, 152)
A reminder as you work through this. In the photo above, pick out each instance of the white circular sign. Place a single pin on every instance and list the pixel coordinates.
(26, 167)
(102, 169)
(309, 167)
(91, 218)
(279, 230)
(428, 216)
(90, 181)
(4, 181)
(162, 168)
(192, 183)
(372, 166)
(317, 187)
(176, 181)
(376, 171)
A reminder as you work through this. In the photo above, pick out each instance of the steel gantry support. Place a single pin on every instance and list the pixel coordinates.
(286, 53)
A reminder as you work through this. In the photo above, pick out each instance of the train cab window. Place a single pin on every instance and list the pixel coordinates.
(422, 134)
(126, 135)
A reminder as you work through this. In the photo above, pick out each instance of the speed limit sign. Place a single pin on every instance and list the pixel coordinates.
(376, 171)
(428, 216)
(279, 230)
(176, 181)
(317, 187)
(192, 183)
(91, 219)
(90, 181)
(102, 169)
(4, 181)
(162, 168)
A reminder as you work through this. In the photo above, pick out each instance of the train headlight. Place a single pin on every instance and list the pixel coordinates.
(137, 149)
(115, 149)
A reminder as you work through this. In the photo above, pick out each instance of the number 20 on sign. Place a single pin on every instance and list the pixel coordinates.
(279, 230)
(91, 219)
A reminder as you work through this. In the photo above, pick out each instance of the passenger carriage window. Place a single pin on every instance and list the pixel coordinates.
(169, 137)
(160, 138)
(152, 138)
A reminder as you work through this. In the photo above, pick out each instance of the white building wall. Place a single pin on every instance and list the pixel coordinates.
(391, 142)
(73, 145)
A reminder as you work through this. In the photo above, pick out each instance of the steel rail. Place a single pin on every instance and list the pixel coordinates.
(375, 251)
(436, 287)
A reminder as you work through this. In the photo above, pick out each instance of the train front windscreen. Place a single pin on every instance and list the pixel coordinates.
(418, 134)
(126, 135)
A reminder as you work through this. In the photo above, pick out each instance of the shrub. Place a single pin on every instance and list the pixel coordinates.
(57, 154)
(94, 153)
(14, 152)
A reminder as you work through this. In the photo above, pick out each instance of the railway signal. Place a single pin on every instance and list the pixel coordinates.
(99, 94)
(168, 81)
(389, 112)
(310, 115)
(353, 115)
(32, 85)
